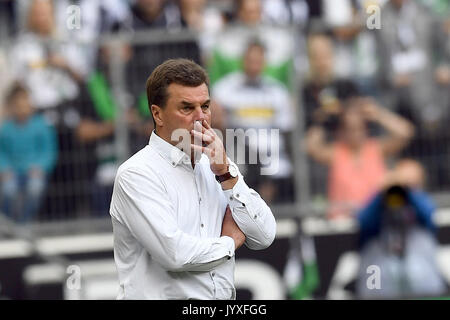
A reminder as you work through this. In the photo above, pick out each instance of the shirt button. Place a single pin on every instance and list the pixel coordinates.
(256, 216)
(202, 225)
(231, 198)
(173, 163)
(237, 195)
(213, 274)
(199, 199)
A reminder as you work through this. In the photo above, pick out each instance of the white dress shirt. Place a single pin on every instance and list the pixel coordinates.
(167, 220)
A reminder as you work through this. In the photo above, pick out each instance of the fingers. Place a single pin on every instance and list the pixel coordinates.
(203, 126)
(198, 126)
(216, 156)
(206, 137)
(201, 134)
(206, 124)
(209, 152)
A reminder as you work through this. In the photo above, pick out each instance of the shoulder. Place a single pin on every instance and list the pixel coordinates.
(142, 167)
(24, 42)
(273, 83)
(277, 88)
(5, 126)
(39, 119)
(40, 122)
(228, 81)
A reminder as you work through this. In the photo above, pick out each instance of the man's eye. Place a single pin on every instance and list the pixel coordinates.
(187, 108)
(205, 107)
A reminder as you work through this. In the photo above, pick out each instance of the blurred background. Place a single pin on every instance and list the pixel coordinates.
(359, 90)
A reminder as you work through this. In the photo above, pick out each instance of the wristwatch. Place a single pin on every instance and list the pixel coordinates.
(232, 173)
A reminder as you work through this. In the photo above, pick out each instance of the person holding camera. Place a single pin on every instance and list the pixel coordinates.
(397, 234)
(355, 159)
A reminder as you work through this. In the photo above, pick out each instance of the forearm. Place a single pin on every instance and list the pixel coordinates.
(206, 255)
(395, 125)
(316, 145)
(175, 250)
(252, 215)
(91, 131)
(149, 215)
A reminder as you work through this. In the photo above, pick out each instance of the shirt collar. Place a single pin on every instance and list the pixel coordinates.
(169, 152)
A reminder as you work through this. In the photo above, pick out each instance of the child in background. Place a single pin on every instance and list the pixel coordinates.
(28, 152)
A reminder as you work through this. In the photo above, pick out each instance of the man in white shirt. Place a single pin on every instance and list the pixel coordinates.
(177, 217)
(252, 100)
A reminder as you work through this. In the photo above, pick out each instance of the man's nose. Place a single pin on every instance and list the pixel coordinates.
(199, 114)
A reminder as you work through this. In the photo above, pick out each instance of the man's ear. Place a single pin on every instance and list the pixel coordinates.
(157, 115)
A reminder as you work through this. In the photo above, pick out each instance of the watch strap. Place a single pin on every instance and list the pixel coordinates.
(224, 177)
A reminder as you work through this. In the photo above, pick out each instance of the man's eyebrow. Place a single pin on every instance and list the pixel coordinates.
(187, 103)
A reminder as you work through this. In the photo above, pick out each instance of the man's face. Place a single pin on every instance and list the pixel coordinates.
(184, 106)
(21, 107)
(254, 62)
(399, 3)
(150, 8)
(321, 57)
(250, 12)
(41, 17)
(353, 125)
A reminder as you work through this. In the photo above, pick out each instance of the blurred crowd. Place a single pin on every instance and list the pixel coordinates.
(372, 102)
(364, 97)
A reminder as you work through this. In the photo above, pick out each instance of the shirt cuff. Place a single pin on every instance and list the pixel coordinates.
(238, 196)
(229, 247)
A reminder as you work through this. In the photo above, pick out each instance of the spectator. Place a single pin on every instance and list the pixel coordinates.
(355, 47)
(196, 15)
(285, 13)
(96, 131)
(254, 101)
(323, 89)
(357, 160)
(28, 152)
(5, 75)
(415, 73)
(229, 47)
(52, 67)
(408, 36)
(322, 94)
(96, 17)
(49, 65)
(206, 20)
(398, 235)
(154, 14)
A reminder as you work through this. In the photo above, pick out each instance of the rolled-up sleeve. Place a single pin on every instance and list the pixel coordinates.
(252, 215)
(141, 204)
